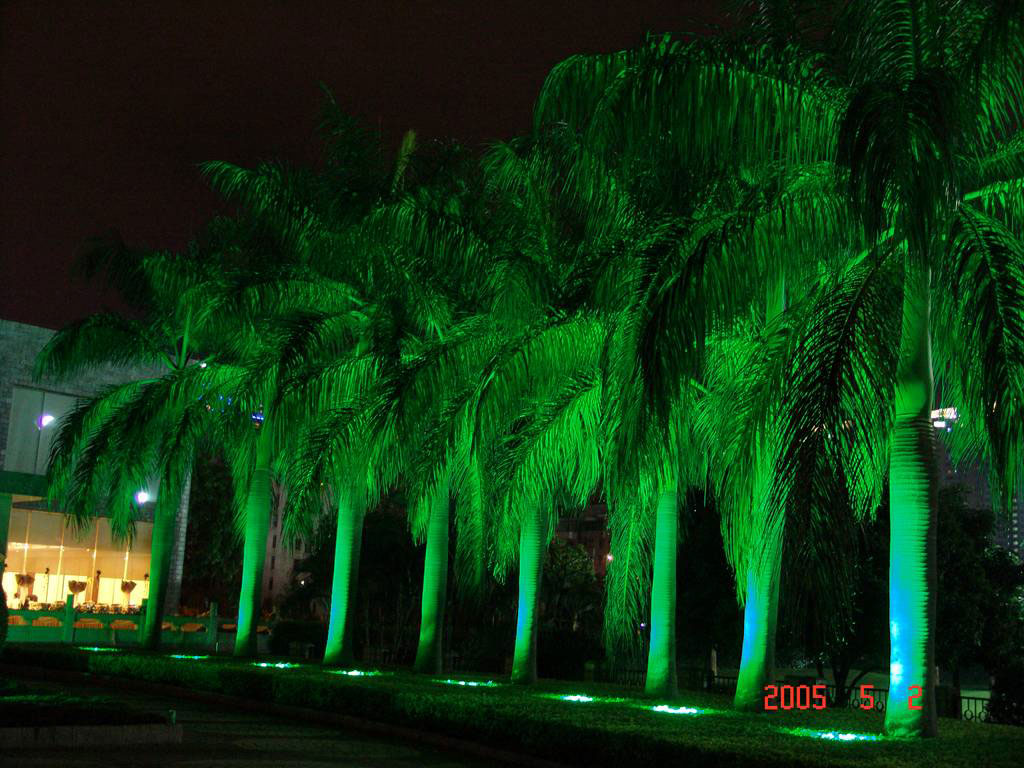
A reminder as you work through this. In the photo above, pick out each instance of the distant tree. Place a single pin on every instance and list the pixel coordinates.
(708, 615)
(980, 614)
(213, 553)
(573, 595)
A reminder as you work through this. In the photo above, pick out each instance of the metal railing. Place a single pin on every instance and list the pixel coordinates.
(68, 625)
(974, 709)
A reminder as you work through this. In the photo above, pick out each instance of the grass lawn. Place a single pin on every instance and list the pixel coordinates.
(598, 724)
(24, 706)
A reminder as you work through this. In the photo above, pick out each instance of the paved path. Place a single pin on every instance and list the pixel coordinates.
(218, 738)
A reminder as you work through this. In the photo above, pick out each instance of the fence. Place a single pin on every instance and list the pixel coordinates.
(66, 625)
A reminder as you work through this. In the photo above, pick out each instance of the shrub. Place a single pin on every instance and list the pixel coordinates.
(1007, 702)
(286, 632)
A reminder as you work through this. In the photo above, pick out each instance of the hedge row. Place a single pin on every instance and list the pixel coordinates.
(536, 721)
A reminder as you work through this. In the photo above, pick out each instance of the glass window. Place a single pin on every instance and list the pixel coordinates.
(23, 431)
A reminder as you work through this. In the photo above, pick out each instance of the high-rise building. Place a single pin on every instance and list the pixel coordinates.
(973, 478)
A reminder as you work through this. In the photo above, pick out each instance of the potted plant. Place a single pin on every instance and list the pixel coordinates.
(25, 582)
(127, 587)
(76, 588)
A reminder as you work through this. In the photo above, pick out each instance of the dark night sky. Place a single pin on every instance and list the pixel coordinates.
(107, 107)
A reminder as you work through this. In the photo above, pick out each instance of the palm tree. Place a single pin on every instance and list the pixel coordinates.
(918, 110)
(729, 211)
(370, 257)
(127, 436)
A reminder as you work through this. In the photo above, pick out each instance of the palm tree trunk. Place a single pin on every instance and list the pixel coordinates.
(760, 619)
(912, 521)
(532, 544)
(435, 583)
(159, 567)
(347, 547)
(661, 657)
(761, 604)
(254, 547)
(177, 567)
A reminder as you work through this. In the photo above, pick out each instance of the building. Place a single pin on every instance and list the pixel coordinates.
(279, 567)
(589, 530)
(1009, 529)
(45, 559)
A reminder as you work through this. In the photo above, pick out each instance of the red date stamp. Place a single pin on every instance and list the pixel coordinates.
(814, 697)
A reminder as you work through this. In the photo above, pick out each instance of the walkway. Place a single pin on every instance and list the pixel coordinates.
(216, 738)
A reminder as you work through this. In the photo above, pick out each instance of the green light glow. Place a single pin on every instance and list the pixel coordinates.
(912, 517)
(346, 574)
(676, 710)
(661, 658)
(581, 698)
(254, 548)
(97, 649)
(355, 672)
(532, 546)
(165, 517)
(186, 656)
(763, 572)
(275, 665)
(760, 615)
(470, 683)
(435, 585)
(831, 735)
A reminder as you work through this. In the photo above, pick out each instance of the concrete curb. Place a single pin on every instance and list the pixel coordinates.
(301, 714)
(58, 736)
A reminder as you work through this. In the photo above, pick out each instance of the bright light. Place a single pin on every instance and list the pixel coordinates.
(97, 649)
(186, 656)
(141, 497)
(609, 557)
(45, 420)
(272, 665)
(939, 424)
(675, 710)
(470, 683)
(577, 697)
(945, 413)
(355, 672)
(202, 365)
(832, 735)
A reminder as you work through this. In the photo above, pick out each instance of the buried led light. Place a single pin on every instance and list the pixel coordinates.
(470, 683)
(273, 665)
(582, 698)
(831, 735)
(186, 656)
(675, 710)
(354, 672)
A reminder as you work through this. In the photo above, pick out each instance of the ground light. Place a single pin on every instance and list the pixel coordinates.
(580, 698)
(831, 735)
(186, 656)
(676, 710)
(470, 683)
(354, 672)
(97, 649)
(275, 665)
